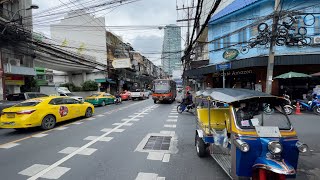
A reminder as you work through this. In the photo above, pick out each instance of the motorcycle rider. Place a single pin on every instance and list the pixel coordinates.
(118, 97)
(188, 100)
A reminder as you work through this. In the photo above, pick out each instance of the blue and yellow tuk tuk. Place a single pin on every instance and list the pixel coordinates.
(244, 137)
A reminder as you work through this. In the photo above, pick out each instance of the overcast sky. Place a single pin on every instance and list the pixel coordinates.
(144, 12)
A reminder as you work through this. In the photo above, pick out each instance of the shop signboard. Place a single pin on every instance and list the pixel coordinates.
(121, 63)
(225, 66)
(14, 80)
(230, 54)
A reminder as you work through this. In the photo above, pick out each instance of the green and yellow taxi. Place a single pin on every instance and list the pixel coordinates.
(44, 112)
(100, 99)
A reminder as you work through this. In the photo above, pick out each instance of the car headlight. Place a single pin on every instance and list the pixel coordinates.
(302, 147)
(243, 146)
(274, 147)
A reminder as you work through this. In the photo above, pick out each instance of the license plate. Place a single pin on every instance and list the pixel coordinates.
(9, 123)
(11, 115)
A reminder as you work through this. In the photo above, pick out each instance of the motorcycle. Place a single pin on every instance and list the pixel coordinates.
(288, 108)
(312, 106)
(117, 100)
(183, 107)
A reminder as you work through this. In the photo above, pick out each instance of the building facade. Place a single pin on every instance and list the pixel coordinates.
(236, 26)
(15, 55)
(171, 49)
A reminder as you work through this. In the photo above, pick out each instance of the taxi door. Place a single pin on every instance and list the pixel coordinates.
(60, 109)
(74, 107)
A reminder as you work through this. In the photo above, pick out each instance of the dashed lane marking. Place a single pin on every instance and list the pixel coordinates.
(172, 120)
(166, 158)
(172, 133)
(174, 113)
(64, 159)
(39, 135)
(135, 116)
(148, 176)
(9, 145)
(77, 123)
(109, 129)
(100, 115)
(89, 119)
(173, 116)
(157, 156)
(60, 128)
(127, 124)
(55, 173)
(170, 126)
(104, 139)
(131, 120)
(85, 151)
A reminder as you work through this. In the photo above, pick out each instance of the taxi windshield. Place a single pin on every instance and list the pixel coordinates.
(28, 103)
(251, 114)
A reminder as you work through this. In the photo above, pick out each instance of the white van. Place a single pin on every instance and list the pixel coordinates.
(63, 91)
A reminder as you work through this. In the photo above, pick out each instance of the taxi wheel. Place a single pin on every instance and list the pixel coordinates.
(88, 112)
(103, 103)
(48, 122)
(201, 147)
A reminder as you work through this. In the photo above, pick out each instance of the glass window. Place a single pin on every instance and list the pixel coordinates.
(317, 25)
(242, 36)
(57, 101)
(28, 103)
(217, 44)
(42, 95)
(226, 41)
(70, 101)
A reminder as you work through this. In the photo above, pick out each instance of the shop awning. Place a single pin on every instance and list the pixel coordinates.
(105, 80)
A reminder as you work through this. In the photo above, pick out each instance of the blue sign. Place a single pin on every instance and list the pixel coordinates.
(225, 66)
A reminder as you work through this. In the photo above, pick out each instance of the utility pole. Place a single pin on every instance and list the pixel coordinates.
(271, 49)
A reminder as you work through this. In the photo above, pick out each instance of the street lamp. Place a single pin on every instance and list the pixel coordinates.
(33, 6)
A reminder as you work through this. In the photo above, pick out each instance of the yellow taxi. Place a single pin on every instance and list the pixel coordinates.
(44, 112)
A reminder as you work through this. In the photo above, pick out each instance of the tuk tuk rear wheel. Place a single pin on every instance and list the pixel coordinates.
(316, 110)
(201, 147)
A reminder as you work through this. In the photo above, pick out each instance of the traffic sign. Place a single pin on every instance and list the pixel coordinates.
(225, 66)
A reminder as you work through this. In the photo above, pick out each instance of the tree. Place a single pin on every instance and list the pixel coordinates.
(90, 86)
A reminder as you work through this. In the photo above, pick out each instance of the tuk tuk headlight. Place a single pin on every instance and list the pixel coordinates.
(275, 147)
(302, 147)
(243, 146)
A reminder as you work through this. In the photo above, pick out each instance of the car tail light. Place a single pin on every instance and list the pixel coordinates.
(26, 112)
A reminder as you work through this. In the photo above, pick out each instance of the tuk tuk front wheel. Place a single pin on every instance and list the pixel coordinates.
(200, 147)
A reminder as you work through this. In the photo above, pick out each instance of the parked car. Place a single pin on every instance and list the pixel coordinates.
(63, 91)
(13, 99)
(100, 99)
(139, 94)
(44, 112)
(126, 95)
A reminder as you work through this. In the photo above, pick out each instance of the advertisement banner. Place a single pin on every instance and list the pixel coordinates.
(121, 63)
(14, 80)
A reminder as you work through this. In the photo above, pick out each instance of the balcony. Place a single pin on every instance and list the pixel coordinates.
(19, 70)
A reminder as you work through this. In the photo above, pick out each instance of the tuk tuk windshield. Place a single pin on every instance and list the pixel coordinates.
(251, 114)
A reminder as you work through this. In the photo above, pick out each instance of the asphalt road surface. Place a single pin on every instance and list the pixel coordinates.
(111, 144)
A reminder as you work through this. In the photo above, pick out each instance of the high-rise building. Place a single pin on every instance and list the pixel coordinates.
(171, 49)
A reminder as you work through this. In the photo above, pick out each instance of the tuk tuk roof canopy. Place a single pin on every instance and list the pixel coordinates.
(230, 95)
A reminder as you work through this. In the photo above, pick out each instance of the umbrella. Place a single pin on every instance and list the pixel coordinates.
(292, 75)
(316, 74)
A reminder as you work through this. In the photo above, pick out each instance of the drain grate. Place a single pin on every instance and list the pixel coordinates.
(158, 143)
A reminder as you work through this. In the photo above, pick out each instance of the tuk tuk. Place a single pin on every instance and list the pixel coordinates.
(248, 140)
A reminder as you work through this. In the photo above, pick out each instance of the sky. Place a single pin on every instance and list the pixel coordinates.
(144, 12)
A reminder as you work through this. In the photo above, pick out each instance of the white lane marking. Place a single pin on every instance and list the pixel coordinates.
(55, 173)
(89, 119)
(172, 120)
(172, 133)
(9, 145)
(141, 113)
(135, 116)
(174, 113)
(60, 128)
(127, 124)
(161, 178)
(170, 125)
(166, 158)
(173, 116)
(39, 135)
(86, 151)
(109, 129)
(158, 156)
(100, 115)
(41, 173)
(146, 176)
(77, 123)
(131, 120)
(104, 139)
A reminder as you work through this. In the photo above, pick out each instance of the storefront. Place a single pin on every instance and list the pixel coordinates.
(13, 83)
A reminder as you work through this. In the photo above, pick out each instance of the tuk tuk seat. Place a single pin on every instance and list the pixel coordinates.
(218, 118)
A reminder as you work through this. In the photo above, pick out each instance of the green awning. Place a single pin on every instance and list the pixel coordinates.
(100, 80)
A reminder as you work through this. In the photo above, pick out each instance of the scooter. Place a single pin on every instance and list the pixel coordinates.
(312, 106)
(288, 108)
(117, 100)
(183, 107)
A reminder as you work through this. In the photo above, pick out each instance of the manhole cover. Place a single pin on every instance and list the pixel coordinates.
(158, 143)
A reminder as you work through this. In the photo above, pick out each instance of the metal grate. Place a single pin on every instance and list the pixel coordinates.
(158, 143)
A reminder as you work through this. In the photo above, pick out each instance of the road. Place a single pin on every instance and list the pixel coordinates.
(111, 146)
